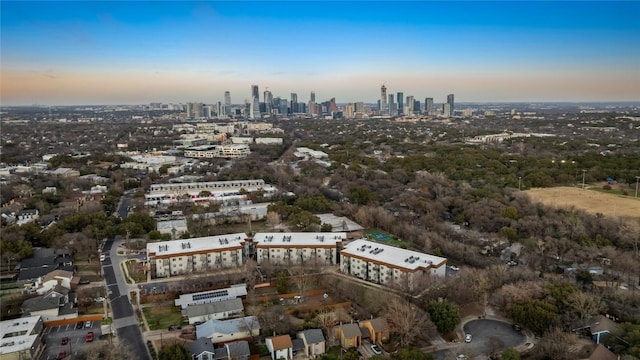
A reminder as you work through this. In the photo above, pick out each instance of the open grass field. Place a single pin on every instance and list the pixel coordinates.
(160, 317)
(589, 200)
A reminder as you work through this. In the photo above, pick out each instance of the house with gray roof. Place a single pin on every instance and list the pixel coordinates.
(349, 334)
(222, 331)
(202, 349)
(236, 350)
(314, 343)
(216, 310)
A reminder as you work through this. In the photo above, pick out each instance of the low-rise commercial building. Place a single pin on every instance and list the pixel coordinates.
(21, 338)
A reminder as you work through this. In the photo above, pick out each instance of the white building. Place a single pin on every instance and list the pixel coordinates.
(185, 256)
(164, 194)
(299, 248)
(51, 280)
(20, 338)
(205, 297)
(280, 347)
(222, 331)
(231, 151)
(218, 310)
(384, 264)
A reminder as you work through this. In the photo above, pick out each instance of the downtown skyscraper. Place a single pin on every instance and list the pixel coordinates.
(449, 106)
(400, 98)
(383, 100)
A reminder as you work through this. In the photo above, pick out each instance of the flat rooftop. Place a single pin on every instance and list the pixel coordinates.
(395, 256)
(17, 335)
(220, 242)
(302, 239)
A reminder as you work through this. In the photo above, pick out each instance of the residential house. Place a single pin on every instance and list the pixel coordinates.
(215, 310)
(349, 335)
(44, 262)
(54, 279)
(8, 217)
(280, 347)
(600, 327)
(314, 343)
(236, 350)
(222, 331)
(599, 352)
(378, 328)
(54, 305)
(21, 338)
(202, 349)
(27, 216)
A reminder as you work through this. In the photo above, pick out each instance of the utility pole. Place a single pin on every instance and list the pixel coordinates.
(583, 175)
(637, 178)
(519, 179)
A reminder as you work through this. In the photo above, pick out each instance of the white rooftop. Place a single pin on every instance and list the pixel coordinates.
(339, 222)
(17, 335)
(196, 244)
(299, 239)
(395, 256)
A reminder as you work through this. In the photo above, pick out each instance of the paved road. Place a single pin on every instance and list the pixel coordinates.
(490, 335)
(124, 319)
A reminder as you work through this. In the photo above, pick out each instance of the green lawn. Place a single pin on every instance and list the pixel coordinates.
(160, 317)
(390, 239)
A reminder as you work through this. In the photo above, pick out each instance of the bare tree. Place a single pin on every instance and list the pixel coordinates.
(584, 304)
(409, 320)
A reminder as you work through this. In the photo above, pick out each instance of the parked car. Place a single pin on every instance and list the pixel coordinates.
(454, 268)
(88, 324)
(376, 349)
(79, 325)
(516, 327)
(103, 257)
(64, 341)
(99, 299)
(84, 282)
(467, 338)
(89, 337)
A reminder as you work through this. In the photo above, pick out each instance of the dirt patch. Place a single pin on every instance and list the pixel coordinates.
(589, 200)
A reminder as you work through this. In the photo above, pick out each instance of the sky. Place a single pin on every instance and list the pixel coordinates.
(119, 52)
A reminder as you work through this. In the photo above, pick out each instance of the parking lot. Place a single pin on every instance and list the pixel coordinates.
(77, 339)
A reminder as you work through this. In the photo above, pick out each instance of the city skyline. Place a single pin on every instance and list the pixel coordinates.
(140, 52)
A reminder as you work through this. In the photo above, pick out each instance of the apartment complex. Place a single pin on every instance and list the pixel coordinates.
(184, 256)
(299, 248)
(384, 264)
(164, 194)
(231, 151)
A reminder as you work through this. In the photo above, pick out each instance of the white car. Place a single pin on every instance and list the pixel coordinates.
(102, 257)
(99, 299)
(376, 349)
(454, 268)
(467, 338)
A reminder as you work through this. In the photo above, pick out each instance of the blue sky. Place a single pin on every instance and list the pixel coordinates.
(137, 52)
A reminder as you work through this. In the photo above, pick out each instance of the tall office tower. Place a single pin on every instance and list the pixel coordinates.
(313, 96)
(248, 107)
(400, 97)
(359, 107)
(409, 105)
(383, 100)
(282, 106)
(392, 106)
(227, 98)
(294, 103)
(446, 109)
(255, 108)
(450, 102)
(428, 105)
(268, 101)
(311, 109)
(349, 110)
(255, 93)
(416, 106)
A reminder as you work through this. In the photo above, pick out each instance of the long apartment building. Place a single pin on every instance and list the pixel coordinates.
(299, 248)
(165, 194)
(231, 151)
(185, 256)
(384, 264)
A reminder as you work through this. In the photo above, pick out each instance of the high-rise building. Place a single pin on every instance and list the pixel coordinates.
(255, 108)
(195, 110)
(383, 100)
(400, 97)
(294, 103)
(313, 96)
(255, 93)
(409, 106)
(227, 98)
(428, 106)
(359, 107)
(446, 109)
(450, 102)
(416, 106)
(392, 106)
(268, 101)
